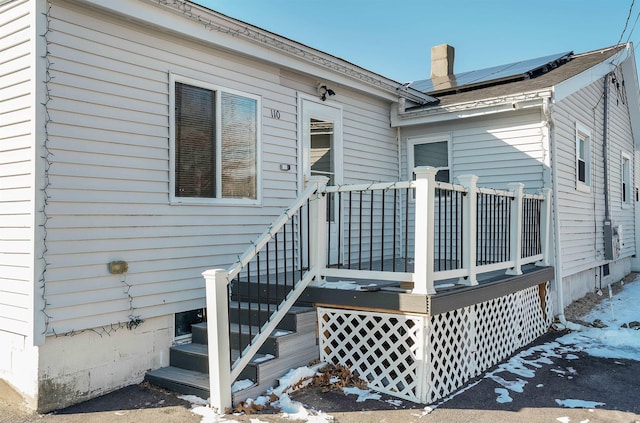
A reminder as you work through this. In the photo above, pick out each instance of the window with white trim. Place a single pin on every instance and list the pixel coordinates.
(215, 144)
(626, 180)
(431, 151)
(583, 158)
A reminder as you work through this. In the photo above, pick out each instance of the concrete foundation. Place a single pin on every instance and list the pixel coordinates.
(590, 280)
(70, 369)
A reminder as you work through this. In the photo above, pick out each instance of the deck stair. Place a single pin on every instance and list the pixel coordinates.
(292, 344)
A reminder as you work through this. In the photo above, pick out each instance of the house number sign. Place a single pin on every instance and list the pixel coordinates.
(275, 114)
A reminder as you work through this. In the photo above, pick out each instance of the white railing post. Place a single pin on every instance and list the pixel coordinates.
(469, 228)
(217, 293)
(318, 228)
(515, 231)
(424, 230)
(545, 228)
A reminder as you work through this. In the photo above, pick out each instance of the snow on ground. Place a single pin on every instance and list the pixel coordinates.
(619, 337)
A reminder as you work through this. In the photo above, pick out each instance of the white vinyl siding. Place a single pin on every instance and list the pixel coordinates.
(582, 214)
(16, 161)
(110, 177)
(499, 149)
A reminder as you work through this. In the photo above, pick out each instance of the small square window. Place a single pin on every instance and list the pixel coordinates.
(431, 151)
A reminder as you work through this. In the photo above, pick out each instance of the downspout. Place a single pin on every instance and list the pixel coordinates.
(399, 144)
(564, 324)
(605, 153)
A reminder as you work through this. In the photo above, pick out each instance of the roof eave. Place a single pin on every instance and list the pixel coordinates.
(424, 115)
(572, 85)
(210, 27)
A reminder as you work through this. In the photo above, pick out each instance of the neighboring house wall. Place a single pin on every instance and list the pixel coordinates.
(582, 213)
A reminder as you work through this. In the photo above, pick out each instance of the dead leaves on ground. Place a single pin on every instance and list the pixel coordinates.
(331, 377)
(336, 377)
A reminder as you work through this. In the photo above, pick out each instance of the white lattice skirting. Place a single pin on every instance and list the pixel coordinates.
(424, 358)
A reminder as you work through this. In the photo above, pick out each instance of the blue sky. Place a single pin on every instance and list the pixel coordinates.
(394, 37)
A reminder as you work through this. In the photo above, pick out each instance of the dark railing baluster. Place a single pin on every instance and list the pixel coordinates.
(238, 299)
(360, 232)
(525, 227)
(382, 247)
(293, 255)
(230, 297)
(259, 296)
(395, 210)
(508, 225)
(268, 279)
(450, 219)
(439, 226)
(277, 289)
(371, 232)
(249, 299)
(308, 232)
(284, 254)
(339, 231)
(479, 229)
(329, 221)
(349, 236)
(299, 248)
(408, 191)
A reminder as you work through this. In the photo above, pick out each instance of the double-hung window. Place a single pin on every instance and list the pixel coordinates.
(583, 158)
(215, 144)
(431, 151)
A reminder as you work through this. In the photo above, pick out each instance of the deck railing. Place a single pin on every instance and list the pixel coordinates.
(419, 231)
(425, 231)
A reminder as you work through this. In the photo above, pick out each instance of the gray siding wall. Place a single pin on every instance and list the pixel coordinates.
(499, 148)
(16, 163)
(110, 172)
(582, 214)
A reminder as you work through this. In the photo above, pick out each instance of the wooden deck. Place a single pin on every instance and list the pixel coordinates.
(389, 296)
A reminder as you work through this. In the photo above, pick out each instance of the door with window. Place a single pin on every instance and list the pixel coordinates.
(322, 156)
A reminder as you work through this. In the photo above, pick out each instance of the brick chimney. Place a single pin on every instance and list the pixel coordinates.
(442, 60)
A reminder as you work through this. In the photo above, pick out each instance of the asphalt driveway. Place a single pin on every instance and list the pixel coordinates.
(612, 385)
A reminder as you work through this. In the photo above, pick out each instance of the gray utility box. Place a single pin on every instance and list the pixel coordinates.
(608, 240)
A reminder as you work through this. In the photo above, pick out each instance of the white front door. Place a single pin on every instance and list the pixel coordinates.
(322, 155)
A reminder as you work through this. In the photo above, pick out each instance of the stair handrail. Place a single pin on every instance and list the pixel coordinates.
(314, 185)
(221, 375)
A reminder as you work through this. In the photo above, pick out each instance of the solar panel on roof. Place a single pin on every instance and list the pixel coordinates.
(483, 76)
